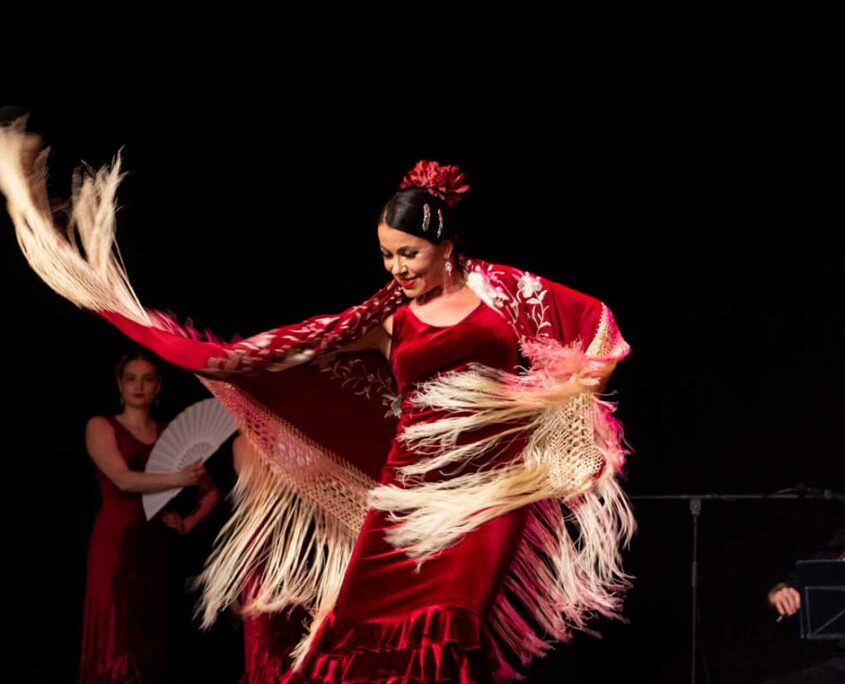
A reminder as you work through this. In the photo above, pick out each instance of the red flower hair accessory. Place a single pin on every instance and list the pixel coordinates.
(445, 182)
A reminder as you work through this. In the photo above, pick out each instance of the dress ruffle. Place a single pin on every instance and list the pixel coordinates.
(437, 644)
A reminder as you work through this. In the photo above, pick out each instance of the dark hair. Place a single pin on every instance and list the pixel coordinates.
(137, 354)
(405, 211)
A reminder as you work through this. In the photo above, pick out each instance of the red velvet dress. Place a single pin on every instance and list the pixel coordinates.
(125, 624)
(269, 639)
(392, 623)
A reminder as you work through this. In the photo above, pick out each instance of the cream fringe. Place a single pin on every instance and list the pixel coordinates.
(83, 264)
(298, 535)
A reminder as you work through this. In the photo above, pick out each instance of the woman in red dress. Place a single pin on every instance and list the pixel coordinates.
(451, 618)
(125, 623)
(492, 529)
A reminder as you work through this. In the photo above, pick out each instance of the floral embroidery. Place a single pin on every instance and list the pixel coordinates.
(521, 304)
(354, 374)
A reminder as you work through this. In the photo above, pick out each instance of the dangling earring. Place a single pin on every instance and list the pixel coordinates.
(449, 272)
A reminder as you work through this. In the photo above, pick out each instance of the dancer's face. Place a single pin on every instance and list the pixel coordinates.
(139, 384)
(415, 263)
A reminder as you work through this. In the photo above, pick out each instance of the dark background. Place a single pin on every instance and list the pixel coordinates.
(700, 207)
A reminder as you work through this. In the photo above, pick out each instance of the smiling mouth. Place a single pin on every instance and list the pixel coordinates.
(407, 283)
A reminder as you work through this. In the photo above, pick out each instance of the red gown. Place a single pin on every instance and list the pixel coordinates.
(125, 624)
(269, 639)
(390, 622)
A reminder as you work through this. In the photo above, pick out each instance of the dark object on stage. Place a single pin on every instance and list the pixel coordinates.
(822, 585)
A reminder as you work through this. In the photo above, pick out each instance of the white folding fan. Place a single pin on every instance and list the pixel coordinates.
(194, 434)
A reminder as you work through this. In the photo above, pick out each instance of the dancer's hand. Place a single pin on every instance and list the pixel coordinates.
(174, 521)
(191, 475)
